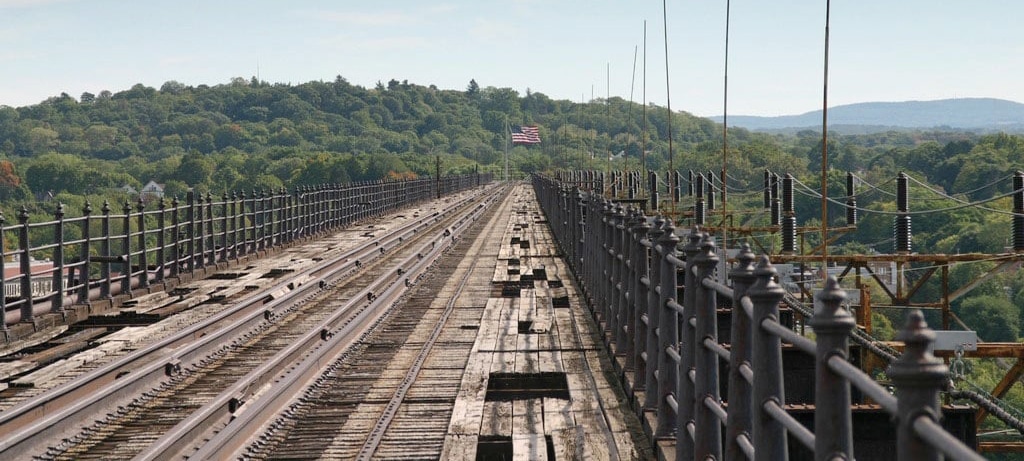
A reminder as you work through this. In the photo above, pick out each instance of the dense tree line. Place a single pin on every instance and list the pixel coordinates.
(248, 134)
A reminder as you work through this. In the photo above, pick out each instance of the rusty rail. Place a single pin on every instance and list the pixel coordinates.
(56, 411)
(112, 254)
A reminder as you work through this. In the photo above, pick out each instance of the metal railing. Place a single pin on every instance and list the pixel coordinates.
(99, 256)
(659, 300)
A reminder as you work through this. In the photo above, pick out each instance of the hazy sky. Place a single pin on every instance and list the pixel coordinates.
(882, 50)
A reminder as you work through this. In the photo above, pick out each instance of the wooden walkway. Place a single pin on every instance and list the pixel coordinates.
(538, 384)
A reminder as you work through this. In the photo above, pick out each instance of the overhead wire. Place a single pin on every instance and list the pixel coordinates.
(809, 192)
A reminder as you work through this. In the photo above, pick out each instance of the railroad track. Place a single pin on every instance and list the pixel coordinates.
(180, 388)
(371, 403)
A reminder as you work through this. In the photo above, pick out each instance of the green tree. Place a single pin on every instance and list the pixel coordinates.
(195, 170)
(993, 317)
(42, 140)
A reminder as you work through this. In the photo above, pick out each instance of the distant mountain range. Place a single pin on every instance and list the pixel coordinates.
(984, 114)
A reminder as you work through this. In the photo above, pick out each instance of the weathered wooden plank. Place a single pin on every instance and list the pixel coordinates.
(550, 361)
(568, 443)
(460, 447)
(529, 447)
(557, 415)
(528, 441)
(497, 419)
(599, 447)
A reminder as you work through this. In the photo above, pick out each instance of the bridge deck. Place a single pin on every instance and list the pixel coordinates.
(531, 339)
(518, 370)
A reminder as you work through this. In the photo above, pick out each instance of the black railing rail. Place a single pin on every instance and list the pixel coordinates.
(658, 296)
(114, 253)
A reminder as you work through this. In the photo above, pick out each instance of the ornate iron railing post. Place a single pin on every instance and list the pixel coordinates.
(83, 269)
(190, 226)
(283, 216)
(833, 422)
(624, 343)
(233, 224)
(668, 333)
(126, 249)
(254, 223)
(632, 283)
(25, 263)
(619, 274)
(257, 219)
(604, 288)
(641, 264)
(57, 278)
(143, 259)
(224, 227)
(769, 434)
(304, 211)
(918, 376)
(653, 315)
(607, 287)
(175, 238)
(739, 422)
(685, 392)
(580, 224)
(211, 256)
(161, 241)
(708, 443)
(590, 237)
(198, 253)
(589, 232)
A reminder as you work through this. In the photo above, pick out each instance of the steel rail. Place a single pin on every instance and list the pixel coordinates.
(272, 400)
(57, 411)
(377, 434)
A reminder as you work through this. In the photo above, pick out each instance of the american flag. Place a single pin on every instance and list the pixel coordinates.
(525, 135)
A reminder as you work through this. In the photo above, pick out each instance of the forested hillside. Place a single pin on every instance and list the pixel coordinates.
(251, 135)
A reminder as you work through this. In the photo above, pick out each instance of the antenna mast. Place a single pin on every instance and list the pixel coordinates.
(824, 153)
(725, 130)
(668, 104)
(629, 109)
(643, 132)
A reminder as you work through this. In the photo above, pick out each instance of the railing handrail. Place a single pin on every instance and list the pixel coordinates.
(136, 244)
(626, 260)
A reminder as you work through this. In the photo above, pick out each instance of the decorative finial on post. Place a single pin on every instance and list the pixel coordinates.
(918, 376)
(707, 257)
(767, 362)
(832, 323)
(744, 261)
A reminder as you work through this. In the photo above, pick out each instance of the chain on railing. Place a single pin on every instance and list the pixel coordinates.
(658, 301)
(113, 254)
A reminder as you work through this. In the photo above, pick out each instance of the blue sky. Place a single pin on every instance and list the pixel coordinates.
(882, 50)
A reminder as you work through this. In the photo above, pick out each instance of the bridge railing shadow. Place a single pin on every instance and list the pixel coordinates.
(658, 300)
